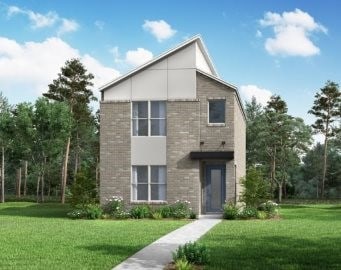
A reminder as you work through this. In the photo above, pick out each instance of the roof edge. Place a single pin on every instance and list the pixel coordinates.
(235, 88)
(161, 56)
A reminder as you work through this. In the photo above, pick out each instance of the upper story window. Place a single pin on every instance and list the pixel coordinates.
(216, 111)
(149, 118)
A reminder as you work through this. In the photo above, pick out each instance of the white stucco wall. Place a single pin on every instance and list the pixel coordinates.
(201, 62)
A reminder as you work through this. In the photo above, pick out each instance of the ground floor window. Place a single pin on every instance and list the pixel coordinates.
(149, 183)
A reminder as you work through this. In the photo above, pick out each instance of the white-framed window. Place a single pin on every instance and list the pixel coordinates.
(149, 118)
(149, 183)
(216, 111)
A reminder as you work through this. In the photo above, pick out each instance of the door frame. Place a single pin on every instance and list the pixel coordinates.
(207, 186)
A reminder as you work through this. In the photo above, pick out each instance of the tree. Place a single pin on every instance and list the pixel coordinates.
(73, 87)
(5, 139)
(327, 109)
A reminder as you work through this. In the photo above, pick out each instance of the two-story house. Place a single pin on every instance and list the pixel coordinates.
(172, 130)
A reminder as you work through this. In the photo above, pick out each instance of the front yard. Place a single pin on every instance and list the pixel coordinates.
(34, 236)
(306, 237)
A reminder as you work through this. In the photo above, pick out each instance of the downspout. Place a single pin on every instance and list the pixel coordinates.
(235, 183)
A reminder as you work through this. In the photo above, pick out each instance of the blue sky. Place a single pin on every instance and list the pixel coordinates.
(290, 48)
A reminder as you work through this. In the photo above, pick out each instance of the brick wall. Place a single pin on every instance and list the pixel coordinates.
(115, 141)
(183, 174)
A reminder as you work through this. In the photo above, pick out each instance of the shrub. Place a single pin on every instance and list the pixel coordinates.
(83, 190)
(247, 212)
(270, 208)
(230, 211)
(77, 214)
(156, 215)
(140, 211)
(93, 211)
(166, 211)
(192, 252)
(192, 215)
(115, 207)
(262, 215)
(256, 189)
(180, 209)
(183, 264)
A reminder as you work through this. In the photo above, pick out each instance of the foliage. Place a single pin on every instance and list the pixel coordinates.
(140, 211)
(88, 211)
(48, 240)
(77, 213)
(256, 189)
(247, 212)
(230, 211)
(180, 209)
(192, 215)
(262, 215)
(83, 190)
(269, 207)
(165, 210)
(156, 215)
(115, 208)
(183, 264)
(193, 253)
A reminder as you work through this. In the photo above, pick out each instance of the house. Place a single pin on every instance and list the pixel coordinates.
(172, 130)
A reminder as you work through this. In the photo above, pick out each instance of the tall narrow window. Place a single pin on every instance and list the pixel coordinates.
(140, 118)
(149, 183)
(149, 118)
(216, 111)
(158, 118)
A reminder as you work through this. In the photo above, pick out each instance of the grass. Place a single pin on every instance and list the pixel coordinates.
(307, 237)
(38, 236)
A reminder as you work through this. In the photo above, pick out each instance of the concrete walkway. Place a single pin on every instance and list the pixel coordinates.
(159, 253)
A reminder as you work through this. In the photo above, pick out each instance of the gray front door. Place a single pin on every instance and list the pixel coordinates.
(215, 187)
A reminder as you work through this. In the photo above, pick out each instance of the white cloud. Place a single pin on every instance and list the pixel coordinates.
(161, 30)
(99, 24)
(37, 20)
(262, 95)
(68, 26)
(49, 19)
(26, 69)
(133, 58)
(292, 33)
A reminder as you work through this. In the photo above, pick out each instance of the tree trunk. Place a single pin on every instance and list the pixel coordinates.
(38, 184)
(317, 188)
(97, 174)
(19, 182)
(324, 165)
(63, 185)
(76, 156)
(2, 174)
(25, 177)
(280, 188)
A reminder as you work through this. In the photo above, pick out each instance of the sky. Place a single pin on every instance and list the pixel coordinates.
(289, 48)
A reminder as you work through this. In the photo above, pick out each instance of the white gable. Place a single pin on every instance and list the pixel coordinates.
(201, 62)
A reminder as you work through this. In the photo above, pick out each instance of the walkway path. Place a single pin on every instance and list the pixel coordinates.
(159, 253)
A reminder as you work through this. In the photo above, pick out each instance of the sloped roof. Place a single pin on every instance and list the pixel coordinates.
(194, 39)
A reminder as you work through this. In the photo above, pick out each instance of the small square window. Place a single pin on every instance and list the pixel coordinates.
(216, 111)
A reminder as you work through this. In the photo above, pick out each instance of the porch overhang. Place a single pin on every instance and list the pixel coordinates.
(226, 155)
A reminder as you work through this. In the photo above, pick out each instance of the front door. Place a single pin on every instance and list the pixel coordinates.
(215, 187)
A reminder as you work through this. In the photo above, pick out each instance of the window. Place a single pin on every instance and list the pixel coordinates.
(149, 183)
(216, 111)
(149, 118)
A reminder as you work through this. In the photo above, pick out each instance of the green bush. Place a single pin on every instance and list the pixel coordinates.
(115, 208)
(156, 215)
(192, 215)
(180, 209)
(270, 208)
(230, 211)
(183, 264)
(262, 215)
(77, 214)
(83, 190)
(256, 188)
(193, 253)
(140, 211)
(166, 211)
(89, 211)
(247, 212)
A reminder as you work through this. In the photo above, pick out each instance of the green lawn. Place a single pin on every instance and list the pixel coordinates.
(38, 236)
(307, 237)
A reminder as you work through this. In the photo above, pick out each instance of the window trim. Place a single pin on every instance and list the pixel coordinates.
(149, 118)
(149, 183)
(223, 124)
